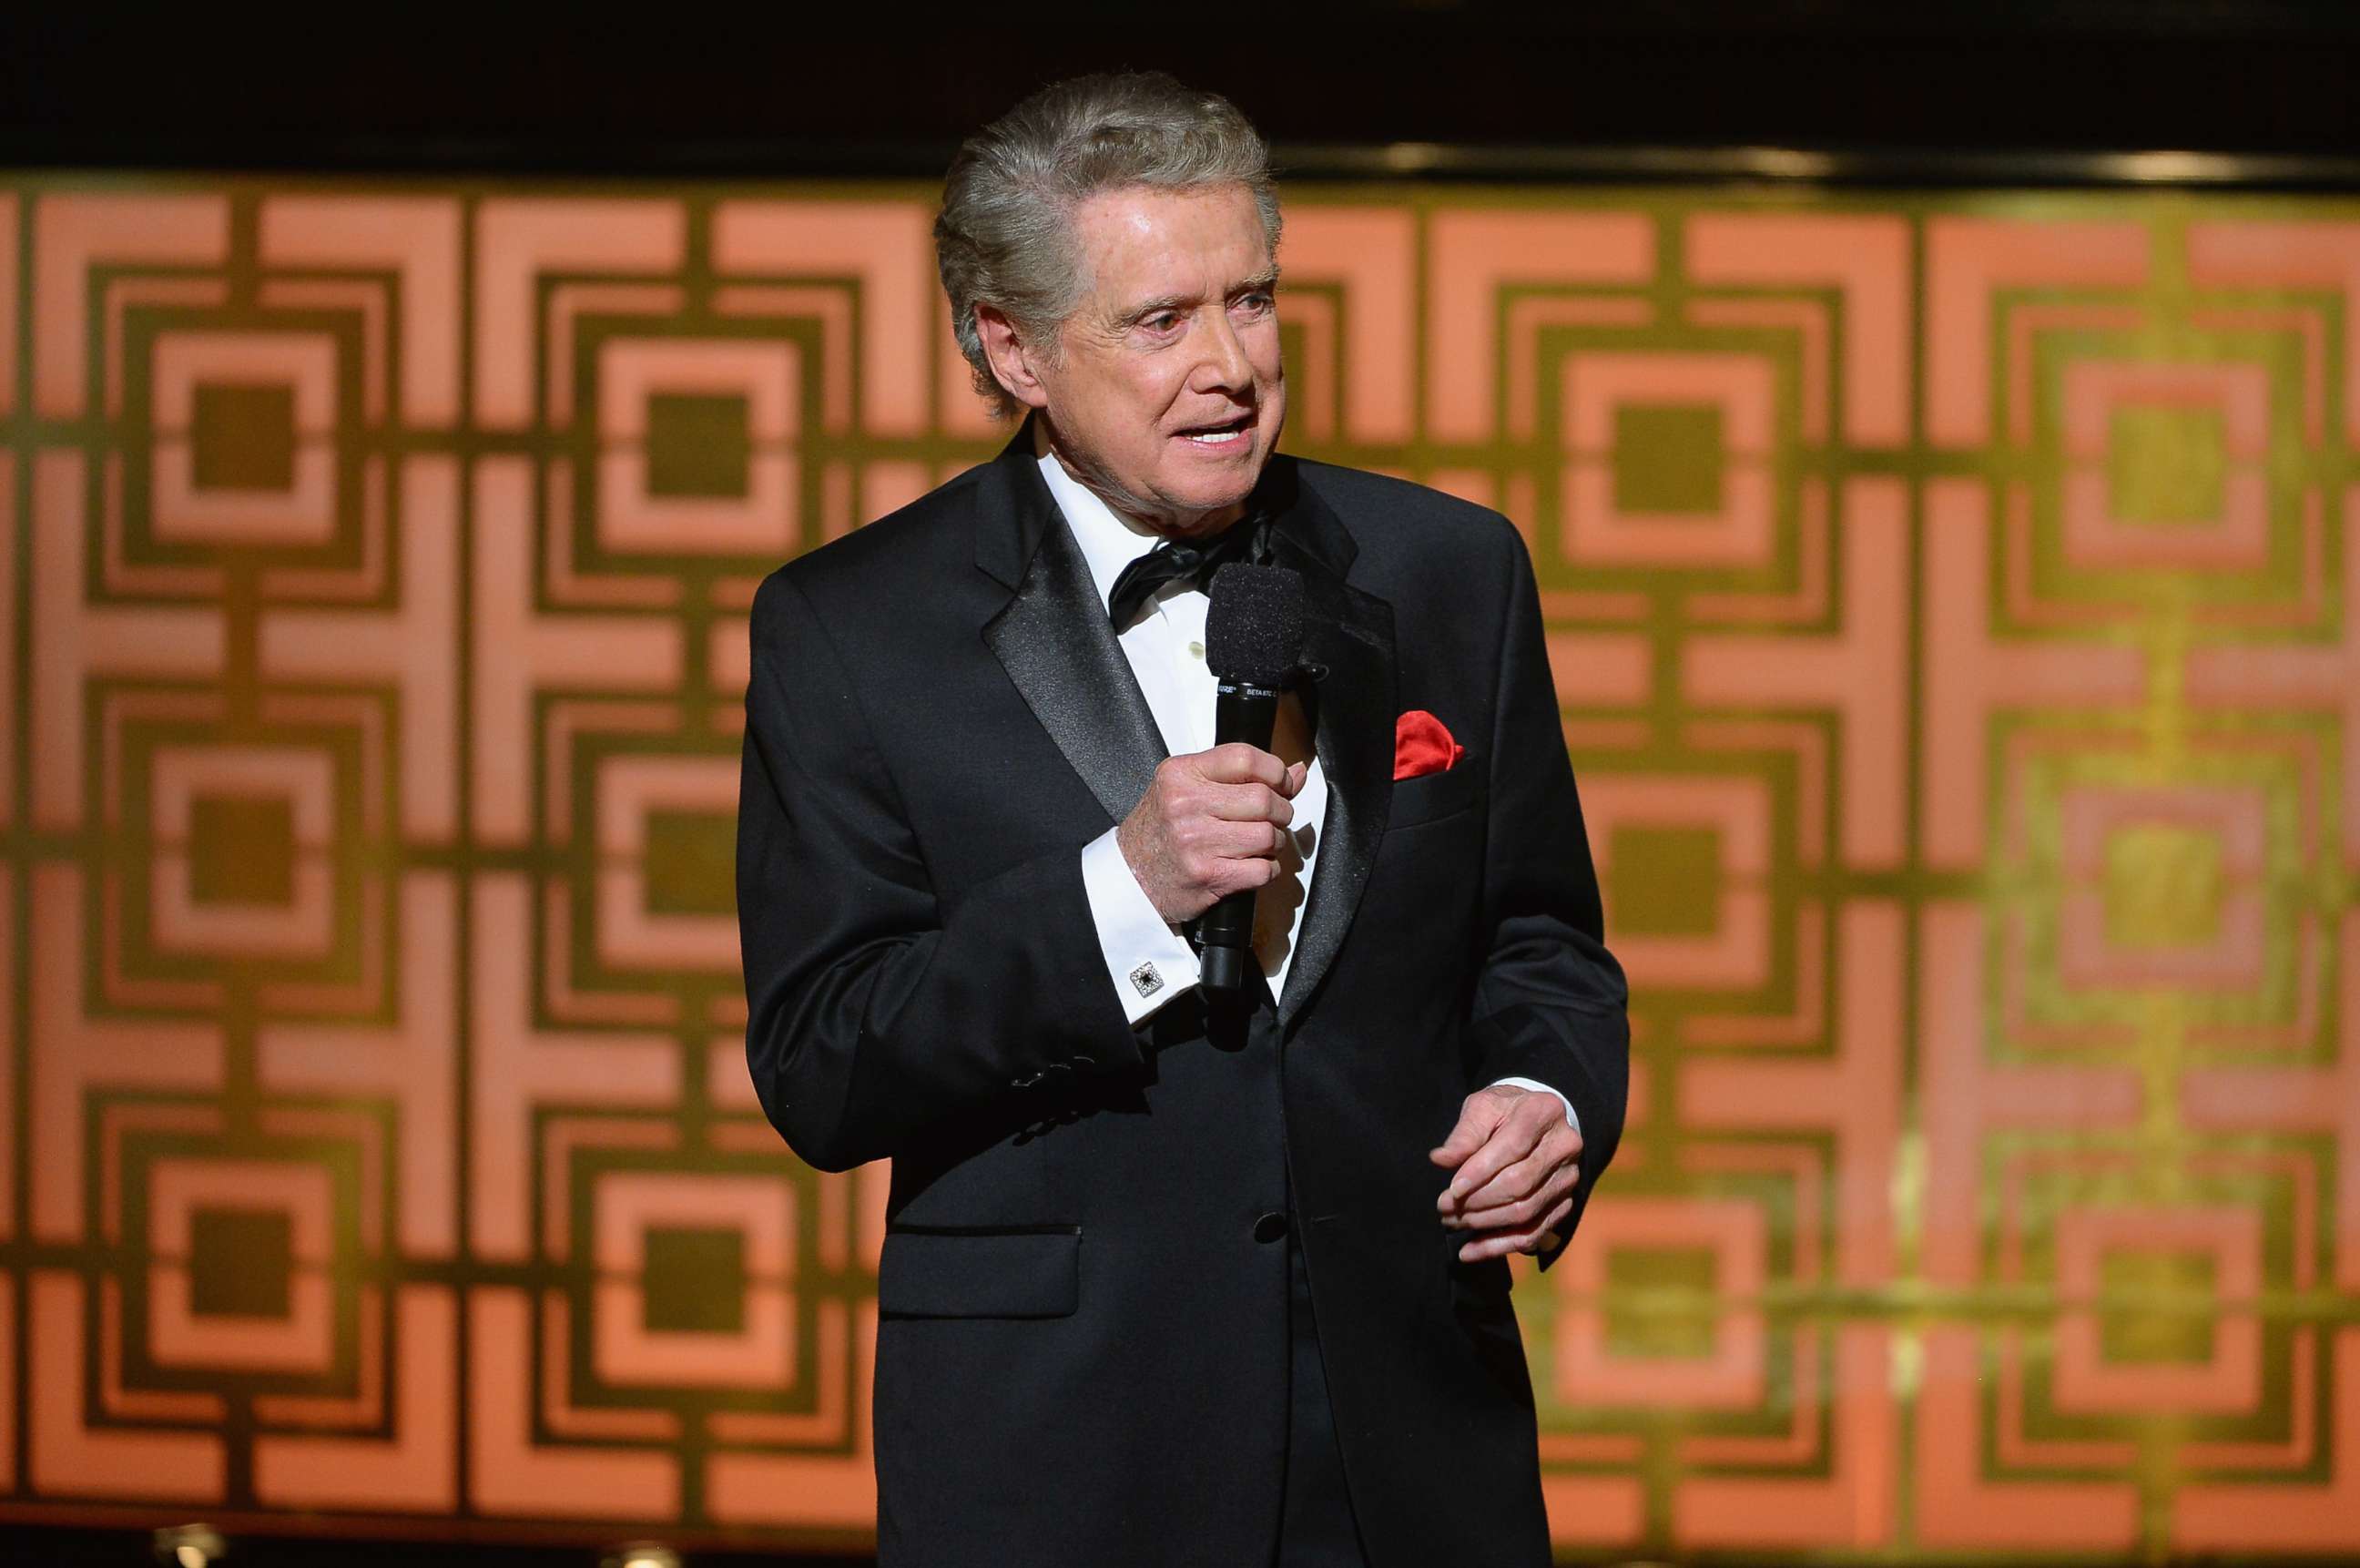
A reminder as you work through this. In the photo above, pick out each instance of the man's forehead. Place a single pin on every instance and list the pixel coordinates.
(1148, 201)
(1141, 244)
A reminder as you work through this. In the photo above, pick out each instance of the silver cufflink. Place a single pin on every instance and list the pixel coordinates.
(1146, 981)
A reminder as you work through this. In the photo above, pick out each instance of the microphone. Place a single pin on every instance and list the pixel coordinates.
(1253, 640)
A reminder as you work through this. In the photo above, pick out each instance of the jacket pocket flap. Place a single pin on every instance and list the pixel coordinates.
(1432, 796)
(980, 1274)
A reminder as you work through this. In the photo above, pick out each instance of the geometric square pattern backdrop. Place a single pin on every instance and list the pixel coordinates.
(1952, 600)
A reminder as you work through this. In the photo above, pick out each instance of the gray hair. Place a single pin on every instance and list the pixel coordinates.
(1005, 237)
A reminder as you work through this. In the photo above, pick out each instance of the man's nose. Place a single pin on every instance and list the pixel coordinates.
(1223, 365)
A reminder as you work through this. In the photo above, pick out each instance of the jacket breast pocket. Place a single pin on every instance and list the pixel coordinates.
(980, 1274)
(1433, 796)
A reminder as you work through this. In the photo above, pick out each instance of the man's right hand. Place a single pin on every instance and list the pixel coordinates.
(1212, 824)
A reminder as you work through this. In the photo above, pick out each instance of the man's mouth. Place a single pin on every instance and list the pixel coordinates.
(1227, 433)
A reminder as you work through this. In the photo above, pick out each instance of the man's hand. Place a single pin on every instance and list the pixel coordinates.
(1514, 1163)
(1211, 824)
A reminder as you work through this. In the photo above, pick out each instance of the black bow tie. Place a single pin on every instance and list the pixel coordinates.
(1174, 561)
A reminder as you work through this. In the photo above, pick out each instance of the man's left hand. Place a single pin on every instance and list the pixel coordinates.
(1514, 1163)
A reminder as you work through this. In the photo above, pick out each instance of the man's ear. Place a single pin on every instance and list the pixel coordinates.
(1011, 356)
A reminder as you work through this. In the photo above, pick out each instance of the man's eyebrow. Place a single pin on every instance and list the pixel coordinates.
(1141, 311)
(1261, 282)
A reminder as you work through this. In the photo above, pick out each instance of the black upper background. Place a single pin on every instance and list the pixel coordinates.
(691, 90)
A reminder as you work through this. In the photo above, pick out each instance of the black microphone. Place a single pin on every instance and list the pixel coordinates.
(1253, 640)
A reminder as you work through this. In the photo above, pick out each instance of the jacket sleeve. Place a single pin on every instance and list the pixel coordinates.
(1549, 1000)
(876, 1012)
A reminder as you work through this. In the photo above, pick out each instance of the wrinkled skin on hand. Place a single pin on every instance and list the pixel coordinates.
(1211, 824)
(1514, 1161)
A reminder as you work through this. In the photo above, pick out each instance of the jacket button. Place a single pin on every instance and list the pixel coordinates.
(1269, 1227)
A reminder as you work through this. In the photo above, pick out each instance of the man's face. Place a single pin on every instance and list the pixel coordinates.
(1167, 394)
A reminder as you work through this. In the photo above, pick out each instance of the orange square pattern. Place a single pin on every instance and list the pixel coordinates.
(1908, 1082)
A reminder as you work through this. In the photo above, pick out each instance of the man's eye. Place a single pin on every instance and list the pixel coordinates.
(1162, 320)
(1257, 302)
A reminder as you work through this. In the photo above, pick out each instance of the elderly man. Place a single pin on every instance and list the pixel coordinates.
(1169, 1277)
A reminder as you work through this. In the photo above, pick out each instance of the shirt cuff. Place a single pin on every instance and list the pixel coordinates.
(1571, 1119)
(1148, 960)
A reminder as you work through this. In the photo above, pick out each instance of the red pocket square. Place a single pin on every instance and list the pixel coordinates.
(1422, 745)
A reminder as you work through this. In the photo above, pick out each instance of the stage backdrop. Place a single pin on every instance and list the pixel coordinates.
(1953, 605)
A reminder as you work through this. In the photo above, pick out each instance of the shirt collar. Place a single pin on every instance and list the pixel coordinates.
(1109, 543)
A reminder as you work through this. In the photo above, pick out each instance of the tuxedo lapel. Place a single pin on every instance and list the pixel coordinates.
(1351, 633)
(1053, 639)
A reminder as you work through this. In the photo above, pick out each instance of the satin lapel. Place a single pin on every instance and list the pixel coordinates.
(1056, 645)
(1352, 632)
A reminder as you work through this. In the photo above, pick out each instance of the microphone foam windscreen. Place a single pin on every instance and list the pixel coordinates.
(1253, 629)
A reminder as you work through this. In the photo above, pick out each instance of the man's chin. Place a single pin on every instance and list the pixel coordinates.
(1201, 499)
(1208, 517)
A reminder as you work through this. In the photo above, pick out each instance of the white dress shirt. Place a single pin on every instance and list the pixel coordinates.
(1148, 960)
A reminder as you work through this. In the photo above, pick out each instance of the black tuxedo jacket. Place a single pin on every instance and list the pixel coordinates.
(1082, 1353)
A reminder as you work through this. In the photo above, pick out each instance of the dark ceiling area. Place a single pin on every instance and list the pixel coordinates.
(889, 90)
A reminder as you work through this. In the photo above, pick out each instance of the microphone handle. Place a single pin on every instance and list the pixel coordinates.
(1244, 712)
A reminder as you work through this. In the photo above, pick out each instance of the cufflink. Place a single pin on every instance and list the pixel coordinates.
(1146, 981)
